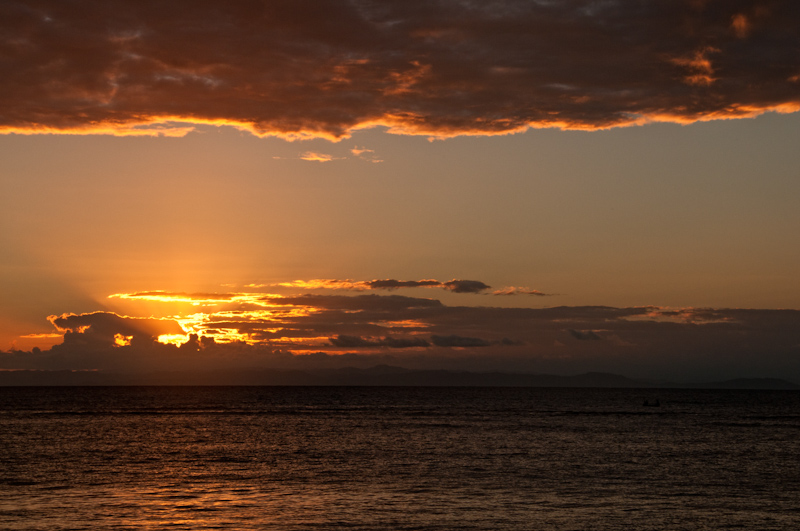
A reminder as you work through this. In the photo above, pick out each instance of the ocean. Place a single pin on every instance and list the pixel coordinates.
(397, 458)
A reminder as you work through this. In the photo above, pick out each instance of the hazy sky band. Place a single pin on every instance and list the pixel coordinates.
(325, 68)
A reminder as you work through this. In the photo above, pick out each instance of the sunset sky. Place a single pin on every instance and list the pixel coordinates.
(507, 185)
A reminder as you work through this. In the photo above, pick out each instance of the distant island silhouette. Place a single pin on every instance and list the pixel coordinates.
(381, 375)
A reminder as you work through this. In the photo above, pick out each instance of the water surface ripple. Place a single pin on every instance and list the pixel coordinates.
(300, 458)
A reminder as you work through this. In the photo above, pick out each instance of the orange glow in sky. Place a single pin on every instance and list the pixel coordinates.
(492, 182)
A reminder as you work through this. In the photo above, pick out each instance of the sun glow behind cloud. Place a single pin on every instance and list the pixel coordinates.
(355, 323)
(225, 317)
(247, 329)
(124, 341)
(259, 318)
(312, 322)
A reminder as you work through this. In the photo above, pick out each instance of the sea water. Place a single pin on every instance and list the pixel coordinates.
(294, 458)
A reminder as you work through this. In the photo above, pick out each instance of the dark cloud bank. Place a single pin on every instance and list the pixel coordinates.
(420, 334)
(443, 68)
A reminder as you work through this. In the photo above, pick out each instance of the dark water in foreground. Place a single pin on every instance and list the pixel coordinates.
(398, 458)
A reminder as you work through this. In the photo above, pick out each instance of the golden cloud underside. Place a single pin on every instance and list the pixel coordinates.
(155, 68)
(367, 329)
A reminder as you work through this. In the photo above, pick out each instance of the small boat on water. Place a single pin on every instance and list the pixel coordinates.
(655, 403)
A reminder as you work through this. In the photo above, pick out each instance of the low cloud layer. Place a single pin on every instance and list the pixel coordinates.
(259, 330)
(441, 68)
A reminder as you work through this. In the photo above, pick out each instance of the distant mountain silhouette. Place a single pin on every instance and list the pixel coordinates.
(380, 375)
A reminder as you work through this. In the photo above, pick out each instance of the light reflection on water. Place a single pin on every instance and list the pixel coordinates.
(397, 458)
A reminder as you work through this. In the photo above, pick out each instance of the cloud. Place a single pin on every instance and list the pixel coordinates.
(327, 68)
(699, 69)
(264, 330)
(465, 286)
(105, 325)
(456, 286)
(322, 283)
(313, 156)
(511, 290)
(173, 296)
(395, 284)
(740, 25)
(365, 154)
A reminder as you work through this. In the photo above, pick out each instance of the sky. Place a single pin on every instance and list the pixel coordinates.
(522, 186)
